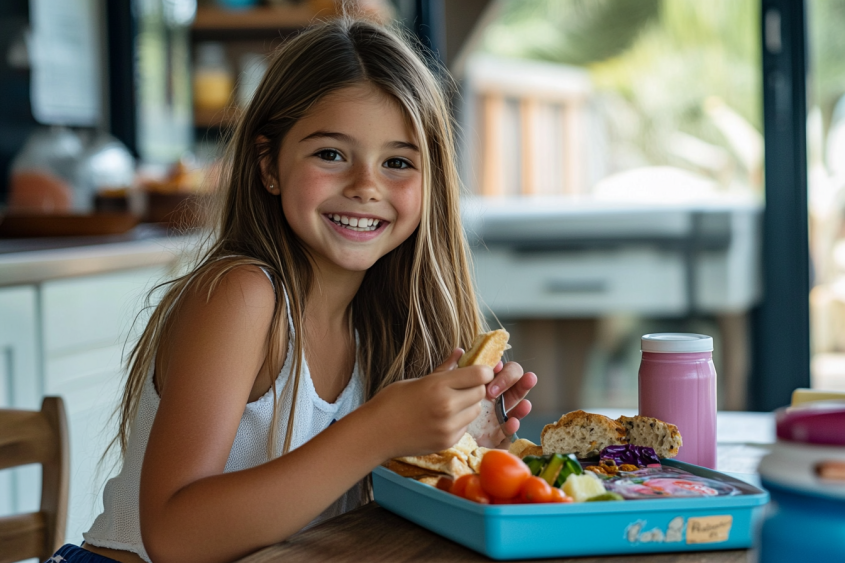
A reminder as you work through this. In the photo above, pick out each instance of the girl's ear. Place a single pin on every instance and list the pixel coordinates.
(262, 143)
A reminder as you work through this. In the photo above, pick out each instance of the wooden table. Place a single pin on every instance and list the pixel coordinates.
(375, 535)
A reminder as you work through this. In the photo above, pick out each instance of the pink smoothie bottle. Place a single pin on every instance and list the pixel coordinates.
(678, 385)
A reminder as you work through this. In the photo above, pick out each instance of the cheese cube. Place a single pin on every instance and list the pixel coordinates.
(582, 487)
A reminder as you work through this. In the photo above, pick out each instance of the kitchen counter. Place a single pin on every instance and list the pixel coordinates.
(28, 261)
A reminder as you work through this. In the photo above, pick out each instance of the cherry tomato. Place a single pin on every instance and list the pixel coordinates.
(475, 492)
(444, 484)
(497, 500)
(534, 490)
(459, 487)
(502, 474)
(559, 496)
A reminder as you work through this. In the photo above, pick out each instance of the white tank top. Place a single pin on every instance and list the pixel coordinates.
(119, 526)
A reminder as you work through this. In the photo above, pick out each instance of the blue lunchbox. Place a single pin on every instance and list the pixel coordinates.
(579, 529)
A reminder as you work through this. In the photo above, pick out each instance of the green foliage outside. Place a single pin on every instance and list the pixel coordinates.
(659, 65)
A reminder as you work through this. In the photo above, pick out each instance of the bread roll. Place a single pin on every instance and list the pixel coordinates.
(522, 447)
(581, 433)
(662, 437)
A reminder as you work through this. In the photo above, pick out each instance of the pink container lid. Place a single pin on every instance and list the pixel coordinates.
(821, 423)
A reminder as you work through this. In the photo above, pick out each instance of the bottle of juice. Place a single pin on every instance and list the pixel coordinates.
(677, 384)
(213, 77)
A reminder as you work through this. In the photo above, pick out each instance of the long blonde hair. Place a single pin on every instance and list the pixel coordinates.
(417, 303)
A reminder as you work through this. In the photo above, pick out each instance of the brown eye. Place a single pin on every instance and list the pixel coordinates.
(397, 163)
(329, 154)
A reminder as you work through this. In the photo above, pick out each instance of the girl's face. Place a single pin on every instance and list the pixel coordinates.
(350, 178)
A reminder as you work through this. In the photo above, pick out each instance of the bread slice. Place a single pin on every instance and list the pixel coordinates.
(486, 349)
(581, 433)
(662, 437)
(406, 470)
(429, 480)
(475, 458)
(454, 461)
(523, 447)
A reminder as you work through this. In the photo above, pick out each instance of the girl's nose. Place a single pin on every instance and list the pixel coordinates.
(364, 185)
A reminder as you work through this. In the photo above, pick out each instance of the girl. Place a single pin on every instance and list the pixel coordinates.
(273, 378)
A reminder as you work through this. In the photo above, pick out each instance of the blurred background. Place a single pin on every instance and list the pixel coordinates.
(628, 167)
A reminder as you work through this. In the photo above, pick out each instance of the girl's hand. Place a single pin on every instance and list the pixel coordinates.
(430, 414)
(515, 384)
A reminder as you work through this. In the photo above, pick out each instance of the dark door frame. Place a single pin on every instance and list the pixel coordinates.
(781, 324)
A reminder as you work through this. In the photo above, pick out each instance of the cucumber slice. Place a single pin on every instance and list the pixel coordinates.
(552, 470)
(534, 463)
(605, 496)
(571, 466)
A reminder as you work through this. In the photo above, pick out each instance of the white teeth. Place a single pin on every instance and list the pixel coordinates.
(355, 223)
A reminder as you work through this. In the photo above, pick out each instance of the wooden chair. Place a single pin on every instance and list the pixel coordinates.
(36, 437)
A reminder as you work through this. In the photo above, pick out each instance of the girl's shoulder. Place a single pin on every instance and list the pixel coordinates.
(244, 284)
(223, 311)
(243, 292)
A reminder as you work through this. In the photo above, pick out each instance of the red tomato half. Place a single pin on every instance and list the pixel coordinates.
(502, 474)
(559, 496)
(535, 490)
(459, 487)
(445, 484)
(475, 492)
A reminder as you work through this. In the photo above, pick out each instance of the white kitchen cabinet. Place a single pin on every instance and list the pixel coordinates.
(85, 322)
(67, 337)
(19, 387)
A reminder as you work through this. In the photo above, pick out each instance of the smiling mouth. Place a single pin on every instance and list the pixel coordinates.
(358, 224)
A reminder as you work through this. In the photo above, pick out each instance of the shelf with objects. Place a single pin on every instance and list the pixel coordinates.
(230, 46)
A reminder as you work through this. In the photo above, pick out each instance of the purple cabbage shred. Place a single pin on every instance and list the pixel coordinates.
(628, 453)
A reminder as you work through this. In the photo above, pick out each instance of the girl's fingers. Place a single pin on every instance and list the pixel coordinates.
(519, 390)
(498, 367)
(521, 410)
(451, 362)
(511, 426)
(511, 373)
(465, 378)
(467, 398)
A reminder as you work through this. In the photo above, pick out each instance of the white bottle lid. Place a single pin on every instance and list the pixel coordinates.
(676, 343)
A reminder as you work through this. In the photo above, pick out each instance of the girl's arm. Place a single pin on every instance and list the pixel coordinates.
(190, 510)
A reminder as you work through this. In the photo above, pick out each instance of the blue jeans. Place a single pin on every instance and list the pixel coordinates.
(75, 554)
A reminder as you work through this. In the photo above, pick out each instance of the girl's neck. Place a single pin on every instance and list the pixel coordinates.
(331, 294)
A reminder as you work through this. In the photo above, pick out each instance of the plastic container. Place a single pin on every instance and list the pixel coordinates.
(805, 474)
(677, 384)
(44, 174)
(569, 530)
